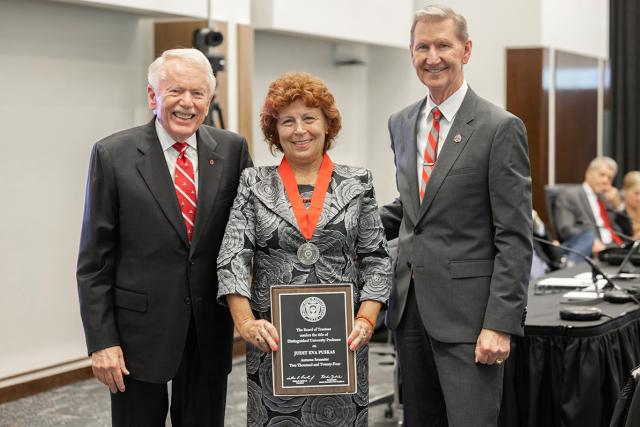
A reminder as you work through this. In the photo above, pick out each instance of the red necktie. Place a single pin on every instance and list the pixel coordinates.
(185, 186)
(430, 152)
(605, 218)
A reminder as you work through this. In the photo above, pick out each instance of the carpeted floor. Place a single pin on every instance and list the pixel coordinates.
(86, 403)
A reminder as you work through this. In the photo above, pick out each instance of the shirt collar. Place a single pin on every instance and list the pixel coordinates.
(590, 193)
(450, 106)
(166, 141)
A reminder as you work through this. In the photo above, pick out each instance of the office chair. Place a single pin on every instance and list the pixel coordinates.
(627, 410)
(550, 196)
(391, 398)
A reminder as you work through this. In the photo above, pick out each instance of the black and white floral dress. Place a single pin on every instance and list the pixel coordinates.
(261, 241)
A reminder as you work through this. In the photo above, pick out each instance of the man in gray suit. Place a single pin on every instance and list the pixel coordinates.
(463, 222)
(585, 215)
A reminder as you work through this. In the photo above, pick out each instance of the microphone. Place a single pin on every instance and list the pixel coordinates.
(616, 295)
(588, 313)
(621, 273)
(595, 270)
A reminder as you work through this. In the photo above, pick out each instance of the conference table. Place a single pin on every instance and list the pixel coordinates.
(569, 373)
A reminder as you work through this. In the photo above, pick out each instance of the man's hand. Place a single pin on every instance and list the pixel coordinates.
(108, 366)
(597, 247)
(492, 347)
(612, 196)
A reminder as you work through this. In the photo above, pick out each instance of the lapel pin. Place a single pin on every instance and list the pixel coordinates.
(212, 162)
(457, 138)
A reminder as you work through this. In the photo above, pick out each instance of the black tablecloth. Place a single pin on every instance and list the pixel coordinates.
(564, 373)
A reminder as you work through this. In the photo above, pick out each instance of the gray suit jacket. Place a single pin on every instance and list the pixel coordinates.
(468, 245)
(573, 214)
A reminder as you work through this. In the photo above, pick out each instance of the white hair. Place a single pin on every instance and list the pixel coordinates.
(603, 161)
(157, 70)
(438, 13)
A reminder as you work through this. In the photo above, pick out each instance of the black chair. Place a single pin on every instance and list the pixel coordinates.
(550, 196)
(391, 398)
(627, 410)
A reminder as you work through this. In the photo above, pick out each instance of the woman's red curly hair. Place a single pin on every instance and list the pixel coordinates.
(290, 87)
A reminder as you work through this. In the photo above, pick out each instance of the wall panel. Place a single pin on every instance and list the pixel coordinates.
(576, 87)
(527, 98)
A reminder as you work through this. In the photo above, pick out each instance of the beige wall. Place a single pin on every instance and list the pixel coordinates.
(71, 75)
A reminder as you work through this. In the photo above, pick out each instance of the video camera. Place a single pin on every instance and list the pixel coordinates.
(203, 39)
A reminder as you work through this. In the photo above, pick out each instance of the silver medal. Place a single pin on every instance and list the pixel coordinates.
(308, 253)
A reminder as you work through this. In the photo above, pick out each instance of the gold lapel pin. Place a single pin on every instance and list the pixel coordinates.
(212, 162)
(457, 138)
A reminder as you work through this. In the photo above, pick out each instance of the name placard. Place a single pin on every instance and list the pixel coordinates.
(313, 324)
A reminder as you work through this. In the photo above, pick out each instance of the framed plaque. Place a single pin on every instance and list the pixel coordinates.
(313, 324)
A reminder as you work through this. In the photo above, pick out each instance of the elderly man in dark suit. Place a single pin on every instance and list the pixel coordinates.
(585, 215)
(158, 199)
(463, 219)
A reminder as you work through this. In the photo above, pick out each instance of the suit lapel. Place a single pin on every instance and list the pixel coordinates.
(210, 172)
(409, 156)
(329, 205)
(270, 190)
(343, 188)
(152, 166)
(450, 150)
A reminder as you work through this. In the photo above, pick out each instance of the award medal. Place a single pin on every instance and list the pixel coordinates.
(307, 219)
(308, 253)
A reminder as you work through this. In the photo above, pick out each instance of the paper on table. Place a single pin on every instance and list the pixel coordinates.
(563, 282)
(582, 280)
(588, 292)
(580, 295)
(587, 277)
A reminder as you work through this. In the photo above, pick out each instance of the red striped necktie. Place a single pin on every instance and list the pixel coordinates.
(185, 185)
(607, 224)
(430, 152)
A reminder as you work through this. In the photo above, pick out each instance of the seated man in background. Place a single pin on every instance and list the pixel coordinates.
(584, 215)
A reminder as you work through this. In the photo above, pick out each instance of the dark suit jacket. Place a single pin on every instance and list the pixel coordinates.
(468, 245)
(573, 214)
(139, 279)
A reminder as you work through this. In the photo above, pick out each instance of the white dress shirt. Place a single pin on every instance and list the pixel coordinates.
(605, 235)
(171, 154)
(449, 108)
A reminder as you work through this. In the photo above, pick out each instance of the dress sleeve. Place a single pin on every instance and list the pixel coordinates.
(371, 247)
(238, 244)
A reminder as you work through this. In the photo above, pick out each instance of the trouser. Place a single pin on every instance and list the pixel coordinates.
(441, 383)
(196, 400)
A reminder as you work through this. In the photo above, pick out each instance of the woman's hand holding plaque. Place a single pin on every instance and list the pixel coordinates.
(260, 333)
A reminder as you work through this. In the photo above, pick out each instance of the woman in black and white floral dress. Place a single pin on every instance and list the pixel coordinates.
(263, 235)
